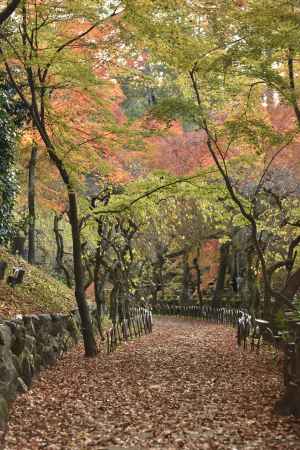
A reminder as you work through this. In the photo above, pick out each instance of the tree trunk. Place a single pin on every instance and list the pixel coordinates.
(253, 292)
(292, 285)
(86, 324)
(8, 10)
(224, 253)
(31, 204)
(161, 278)
(198, 280)
(60, 250)
(186, 278)
(99, 287)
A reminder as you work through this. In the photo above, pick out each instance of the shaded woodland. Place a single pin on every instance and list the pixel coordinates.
(149, 154)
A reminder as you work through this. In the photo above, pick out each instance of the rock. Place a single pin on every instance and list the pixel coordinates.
(73, 329)
(5, 335)
(29, 322)
(19, 340)
(8, 375)
(21, 386)
(28, 367)
(16, 363)
(59, 322)
(45, 323)
(48, 355)
(3, 412)
(30, 343)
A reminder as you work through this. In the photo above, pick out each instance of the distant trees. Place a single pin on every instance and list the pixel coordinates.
(227, 62)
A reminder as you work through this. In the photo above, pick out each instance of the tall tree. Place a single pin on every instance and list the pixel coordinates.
(35, 70)
(226, 59)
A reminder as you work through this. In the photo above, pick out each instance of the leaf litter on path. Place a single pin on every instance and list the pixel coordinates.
(186, 386)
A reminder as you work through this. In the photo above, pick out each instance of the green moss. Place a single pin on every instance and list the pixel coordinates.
(39, 292)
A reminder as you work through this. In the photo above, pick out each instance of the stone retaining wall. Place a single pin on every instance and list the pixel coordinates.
(29, 343)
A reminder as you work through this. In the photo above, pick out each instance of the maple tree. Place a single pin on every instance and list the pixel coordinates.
(41, 68)
(240, 60)
(188, 152)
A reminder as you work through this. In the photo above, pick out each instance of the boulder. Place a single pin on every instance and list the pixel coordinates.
(8, 375)
(27, 366)
(30, 321)
(19, 340)
(5, 335)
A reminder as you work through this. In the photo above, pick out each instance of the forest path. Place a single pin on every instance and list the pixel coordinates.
(186, 386)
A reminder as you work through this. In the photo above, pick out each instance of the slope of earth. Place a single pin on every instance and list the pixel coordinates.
(186, 386)
(39, 292)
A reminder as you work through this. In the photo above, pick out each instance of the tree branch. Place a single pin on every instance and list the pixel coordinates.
(7, 12)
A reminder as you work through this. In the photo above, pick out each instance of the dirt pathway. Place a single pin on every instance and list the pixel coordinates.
(186, 386)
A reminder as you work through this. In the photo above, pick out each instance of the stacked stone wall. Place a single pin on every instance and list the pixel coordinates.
(29, 343)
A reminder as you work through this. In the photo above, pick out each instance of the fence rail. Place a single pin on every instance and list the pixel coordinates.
(226, 316)
(257, 331)
(138, 323)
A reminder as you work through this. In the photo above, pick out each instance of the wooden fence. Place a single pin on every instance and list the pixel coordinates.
(257, 331)
(226, 315)
(138, 323)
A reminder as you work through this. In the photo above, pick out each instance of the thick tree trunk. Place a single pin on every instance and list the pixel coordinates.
(31, 204)
(292, 285)
(86, 324)
(224, 253)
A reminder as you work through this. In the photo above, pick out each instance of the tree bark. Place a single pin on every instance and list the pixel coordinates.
(186, 278)
(293, 285)
(60, 250)
(99, 284)
(253, 292)
(224, 253)
(198, 280)
(7, 12)
(86, 324)
(31, 204)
